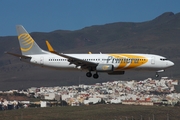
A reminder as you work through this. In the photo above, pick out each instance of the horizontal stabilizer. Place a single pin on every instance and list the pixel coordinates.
(18, 55)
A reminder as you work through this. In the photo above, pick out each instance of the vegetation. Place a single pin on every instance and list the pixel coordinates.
(94, 112)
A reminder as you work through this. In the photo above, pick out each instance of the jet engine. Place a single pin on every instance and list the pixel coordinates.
(104, 68)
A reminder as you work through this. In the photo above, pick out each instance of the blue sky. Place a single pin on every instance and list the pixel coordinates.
(50, 15)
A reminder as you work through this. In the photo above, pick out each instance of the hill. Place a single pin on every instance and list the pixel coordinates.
(157, 36)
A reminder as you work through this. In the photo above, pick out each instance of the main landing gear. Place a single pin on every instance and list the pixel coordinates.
(89, 74)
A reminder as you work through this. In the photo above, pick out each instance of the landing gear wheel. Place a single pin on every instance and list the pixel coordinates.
(95, 76)
(88, 74)
(157, 75)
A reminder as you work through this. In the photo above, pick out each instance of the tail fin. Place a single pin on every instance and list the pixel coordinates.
(27, 45)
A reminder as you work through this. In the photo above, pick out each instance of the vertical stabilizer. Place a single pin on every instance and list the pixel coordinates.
(27, 45)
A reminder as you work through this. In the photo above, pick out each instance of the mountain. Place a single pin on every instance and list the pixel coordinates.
(158, 36)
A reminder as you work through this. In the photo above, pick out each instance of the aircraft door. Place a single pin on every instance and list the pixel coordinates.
(41, 60)
(152, 60)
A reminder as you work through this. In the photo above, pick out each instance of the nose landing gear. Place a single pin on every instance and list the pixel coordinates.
(159, 71)
(157, 75)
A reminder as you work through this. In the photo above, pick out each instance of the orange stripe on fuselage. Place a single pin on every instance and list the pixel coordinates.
(129, 61)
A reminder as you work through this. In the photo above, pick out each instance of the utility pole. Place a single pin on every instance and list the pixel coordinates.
(141, 117)
(167, 116)
(126, 118)
(153, 116)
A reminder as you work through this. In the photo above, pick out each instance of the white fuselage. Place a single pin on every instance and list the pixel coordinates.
(121, 62)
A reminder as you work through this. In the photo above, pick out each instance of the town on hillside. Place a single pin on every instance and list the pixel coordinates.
(146, 92)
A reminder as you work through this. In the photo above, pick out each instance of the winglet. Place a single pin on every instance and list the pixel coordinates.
(50, 48)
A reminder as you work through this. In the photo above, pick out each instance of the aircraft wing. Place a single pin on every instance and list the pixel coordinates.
(73, 60)
(79, 62)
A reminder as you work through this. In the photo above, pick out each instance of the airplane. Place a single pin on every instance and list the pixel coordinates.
(113, 64)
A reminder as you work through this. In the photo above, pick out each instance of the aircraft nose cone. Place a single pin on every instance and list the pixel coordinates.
(170, 64)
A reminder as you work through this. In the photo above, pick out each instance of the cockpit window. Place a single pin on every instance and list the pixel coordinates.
(163, 59)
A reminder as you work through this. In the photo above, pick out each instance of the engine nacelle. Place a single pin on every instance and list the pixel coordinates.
(104, 68)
